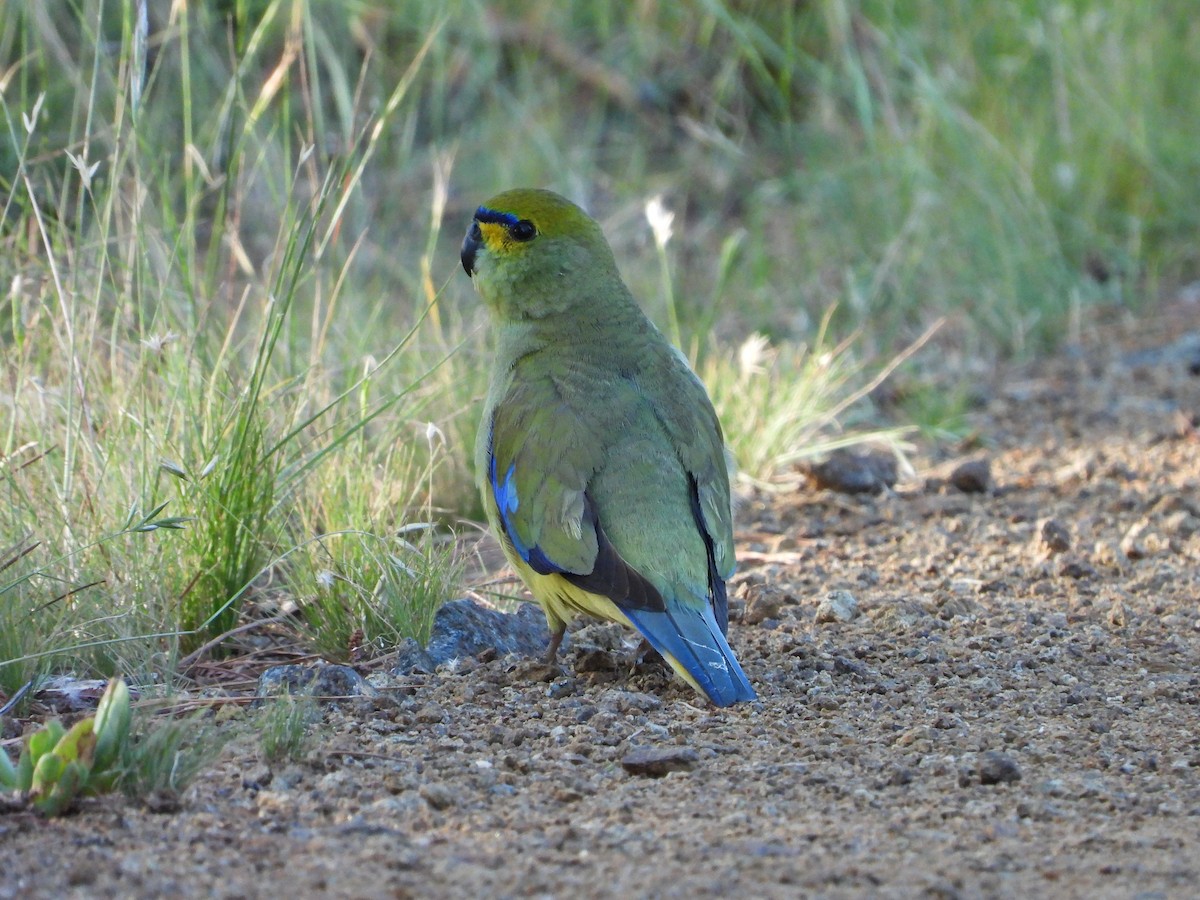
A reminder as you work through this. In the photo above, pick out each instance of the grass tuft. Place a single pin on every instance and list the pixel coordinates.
(283, 727)
(361, 594)
(162, 758)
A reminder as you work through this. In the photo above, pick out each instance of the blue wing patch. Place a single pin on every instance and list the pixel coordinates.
(507, 501)
(506, 493)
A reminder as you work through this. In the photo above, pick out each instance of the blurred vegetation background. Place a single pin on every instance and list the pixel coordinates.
(241, 367)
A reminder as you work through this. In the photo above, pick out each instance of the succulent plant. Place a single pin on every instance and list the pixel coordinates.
(57, 765)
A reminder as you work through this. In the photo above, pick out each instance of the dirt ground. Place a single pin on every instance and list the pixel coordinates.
(990, 694)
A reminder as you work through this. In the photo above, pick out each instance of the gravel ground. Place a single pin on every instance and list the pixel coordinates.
(985, 683)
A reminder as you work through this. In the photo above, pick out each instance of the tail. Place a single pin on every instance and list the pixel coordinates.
(692, 643)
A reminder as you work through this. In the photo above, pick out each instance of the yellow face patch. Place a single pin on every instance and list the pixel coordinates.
(496, 237)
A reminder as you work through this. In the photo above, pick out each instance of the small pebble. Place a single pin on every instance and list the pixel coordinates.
(562, 687)
(431, 713)
(837, 606)
(1131, 542)
(1055, 538)
(973, 477)
(656, 762)
(848, 472)
(998, 768)
(1073, 567)
(437, 795)
(763, 601)
(256, 777)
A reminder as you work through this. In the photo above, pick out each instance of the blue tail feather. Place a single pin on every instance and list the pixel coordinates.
(694, 639)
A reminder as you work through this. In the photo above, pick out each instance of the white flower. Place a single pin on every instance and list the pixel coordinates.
(753, 353)
(85, 171)
(660, 219)
(157, 342)
(432, 432)
(31, 118)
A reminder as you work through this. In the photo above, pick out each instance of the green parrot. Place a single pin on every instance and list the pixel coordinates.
(600, 458)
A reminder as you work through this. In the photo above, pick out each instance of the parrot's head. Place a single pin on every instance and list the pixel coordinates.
(531, 252)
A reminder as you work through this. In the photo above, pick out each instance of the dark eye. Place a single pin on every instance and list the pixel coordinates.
(522, 231)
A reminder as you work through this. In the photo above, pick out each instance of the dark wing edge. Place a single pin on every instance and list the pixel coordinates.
(716, 583)
(611, 576)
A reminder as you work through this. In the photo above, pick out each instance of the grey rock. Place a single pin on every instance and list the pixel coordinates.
(466, 628)
(412, 658)
(322, 681)
(1183, 352)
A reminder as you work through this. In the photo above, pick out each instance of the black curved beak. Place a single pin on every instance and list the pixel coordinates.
(470, 246)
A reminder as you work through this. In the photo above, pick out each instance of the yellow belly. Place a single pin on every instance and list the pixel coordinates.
(562, 601)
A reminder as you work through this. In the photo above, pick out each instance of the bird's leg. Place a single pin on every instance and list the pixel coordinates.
(639, 655)
(556, 638)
